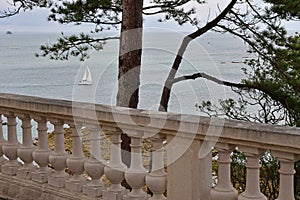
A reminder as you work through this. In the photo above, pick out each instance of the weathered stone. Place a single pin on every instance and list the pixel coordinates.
(109, 195)
(189, 171)
(21, 189)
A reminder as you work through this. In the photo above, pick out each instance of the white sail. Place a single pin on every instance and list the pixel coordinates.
(87, 77)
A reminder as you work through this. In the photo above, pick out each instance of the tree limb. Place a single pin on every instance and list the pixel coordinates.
(168, 84)
(282, 98)
(208, 77)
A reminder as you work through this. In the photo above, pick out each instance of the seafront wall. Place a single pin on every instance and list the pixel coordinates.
(181, 146)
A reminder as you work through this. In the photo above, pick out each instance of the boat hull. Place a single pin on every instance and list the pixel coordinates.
(85, 83)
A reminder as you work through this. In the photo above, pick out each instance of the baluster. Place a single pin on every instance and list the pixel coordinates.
(157, 179)
(26, 149)
(135, 175)
(93, 166)
(2, 142)
(224, 188)
(252, 190)
(76, 162)
(10, 148)
(41, 154)
(286, 187)
(115, 169)
(58, 157)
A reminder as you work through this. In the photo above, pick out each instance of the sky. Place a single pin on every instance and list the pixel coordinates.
(36, 20)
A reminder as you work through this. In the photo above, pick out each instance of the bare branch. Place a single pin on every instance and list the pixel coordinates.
(211, 78)
(168, 84)
(247, 85)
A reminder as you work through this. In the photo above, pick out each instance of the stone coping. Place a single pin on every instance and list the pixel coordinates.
(152, 123)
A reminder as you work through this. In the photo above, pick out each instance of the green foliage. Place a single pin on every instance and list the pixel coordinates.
(73, 46)
(176, 10)
(104, 13)
(270, 93)
(238, 171)
(272, 77)
(278, 75)
(180, 16)
(285, 8)
(269, 175)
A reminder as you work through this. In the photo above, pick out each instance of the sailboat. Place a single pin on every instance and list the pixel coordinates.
(87, 77)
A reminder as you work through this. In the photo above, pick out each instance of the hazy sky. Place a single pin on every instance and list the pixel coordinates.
(36, 20)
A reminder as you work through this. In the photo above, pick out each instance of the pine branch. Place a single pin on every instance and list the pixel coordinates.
(74, 46)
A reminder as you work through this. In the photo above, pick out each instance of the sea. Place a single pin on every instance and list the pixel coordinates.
(219, 55)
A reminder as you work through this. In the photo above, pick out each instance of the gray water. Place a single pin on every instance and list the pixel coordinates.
(217, 55)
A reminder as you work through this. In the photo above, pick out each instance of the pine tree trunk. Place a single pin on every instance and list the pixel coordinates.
(130, 54)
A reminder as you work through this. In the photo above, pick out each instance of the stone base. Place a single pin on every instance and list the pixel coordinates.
(9, 170)
(244, 196)
(57, 181)
(108, 195)
(2, 161)
(220, 193)
(127, 197)
(25, 173)
(75, 186)
(92, 191)
(40, 177)
(12, 187)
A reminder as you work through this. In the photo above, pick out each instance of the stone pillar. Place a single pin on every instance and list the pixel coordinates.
(287, 161)
(2, 142)
(252, 180)
(135, 175)
(76, 162)
(224, 188)
(204, 181)
(157, 179)
(10, 148)
(115, 169)
(183, 154)
(94, 166)
(26, 149)
(41, 154)
(58, 157)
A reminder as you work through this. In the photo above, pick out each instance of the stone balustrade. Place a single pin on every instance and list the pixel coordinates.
(181, 164)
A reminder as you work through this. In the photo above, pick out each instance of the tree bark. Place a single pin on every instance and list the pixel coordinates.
(166, 93)
(130, 54)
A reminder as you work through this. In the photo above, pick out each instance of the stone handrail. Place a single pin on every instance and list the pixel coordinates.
(181, 145)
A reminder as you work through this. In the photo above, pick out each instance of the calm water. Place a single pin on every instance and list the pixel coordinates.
(218, 55)
(23, 73)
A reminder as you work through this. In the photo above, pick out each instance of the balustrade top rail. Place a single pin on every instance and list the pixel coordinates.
(186, 153)
(286, 139)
